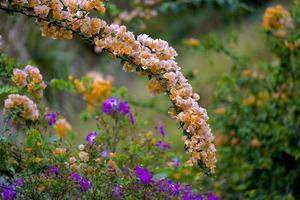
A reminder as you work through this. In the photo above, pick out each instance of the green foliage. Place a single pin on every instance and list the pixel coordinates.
(257, 120)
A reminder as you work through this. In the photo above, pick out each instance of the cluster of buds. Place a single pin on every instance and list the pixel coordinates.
(31, 78)
(21, 106)
(150, 57)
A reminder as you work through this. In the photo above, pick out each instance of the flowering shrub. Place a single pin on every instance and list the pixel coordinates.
(116, 161)
(142, 54)
(256, 115)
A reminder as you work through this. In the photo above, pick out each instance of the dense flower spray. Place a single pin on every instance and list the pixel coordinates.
(152, 57)
(278, 21)
(22, 106)
(31, 78)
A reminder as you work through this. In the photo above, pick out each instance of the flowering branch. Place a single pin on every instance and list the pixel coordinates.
(142, 54)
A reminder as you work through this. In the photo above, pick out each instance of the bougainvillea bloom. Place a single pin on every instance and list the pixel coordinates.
(8, 193)
(85, 185)
(51, 118)
(143, 175)
(91, 137)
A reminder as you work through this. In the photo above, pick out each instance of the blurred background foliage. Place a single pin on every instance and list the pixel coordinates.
(232, 40)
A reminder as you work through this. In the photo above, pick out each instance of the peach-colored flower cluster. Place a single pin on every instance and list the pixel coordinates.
(31, 78)
(278, 21)
(61, 127)
(152, 57)
(24, 107)
(67, 11)
(94, 91)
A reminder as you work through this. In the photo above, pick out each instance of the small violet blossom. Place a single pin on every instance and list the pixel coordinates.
(54, 170)
(75, 177)
(143, 175)
(104, 153)
(51, 118)
(162, 130)
(85, 185)
(91, 137)
(19, 182)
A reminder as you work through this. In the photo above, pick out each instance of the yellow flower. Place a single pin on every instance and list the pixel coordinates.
(112, 164)
(61, 127)
(192, 42)
(249, 101)
(37, 159)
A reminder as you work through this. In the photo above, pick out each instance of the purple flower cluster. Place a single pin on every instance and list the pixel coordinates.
(117, 191)
(8, 192)
(143, 175)
(84, 183)
(114, 105)
(168, 186)
(51, 118)
(91, 137)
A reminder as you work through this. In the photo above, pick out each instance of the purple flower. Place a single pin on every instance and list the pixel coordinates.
(124, 107)
(85, 185)
(51, 118)
(211, 196)
(163, 146)
(19, 182)
(131, 118)
(175, 162)
(173, 188)
(162, 130)
(75, 177)
(91, 137)
(110, 105)
(114, 105)
(161, 186)
(188, 194)
(124, 170)
(54, 170)
(143, 175)
(104, 153)
(8, 192)
(117, 191)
